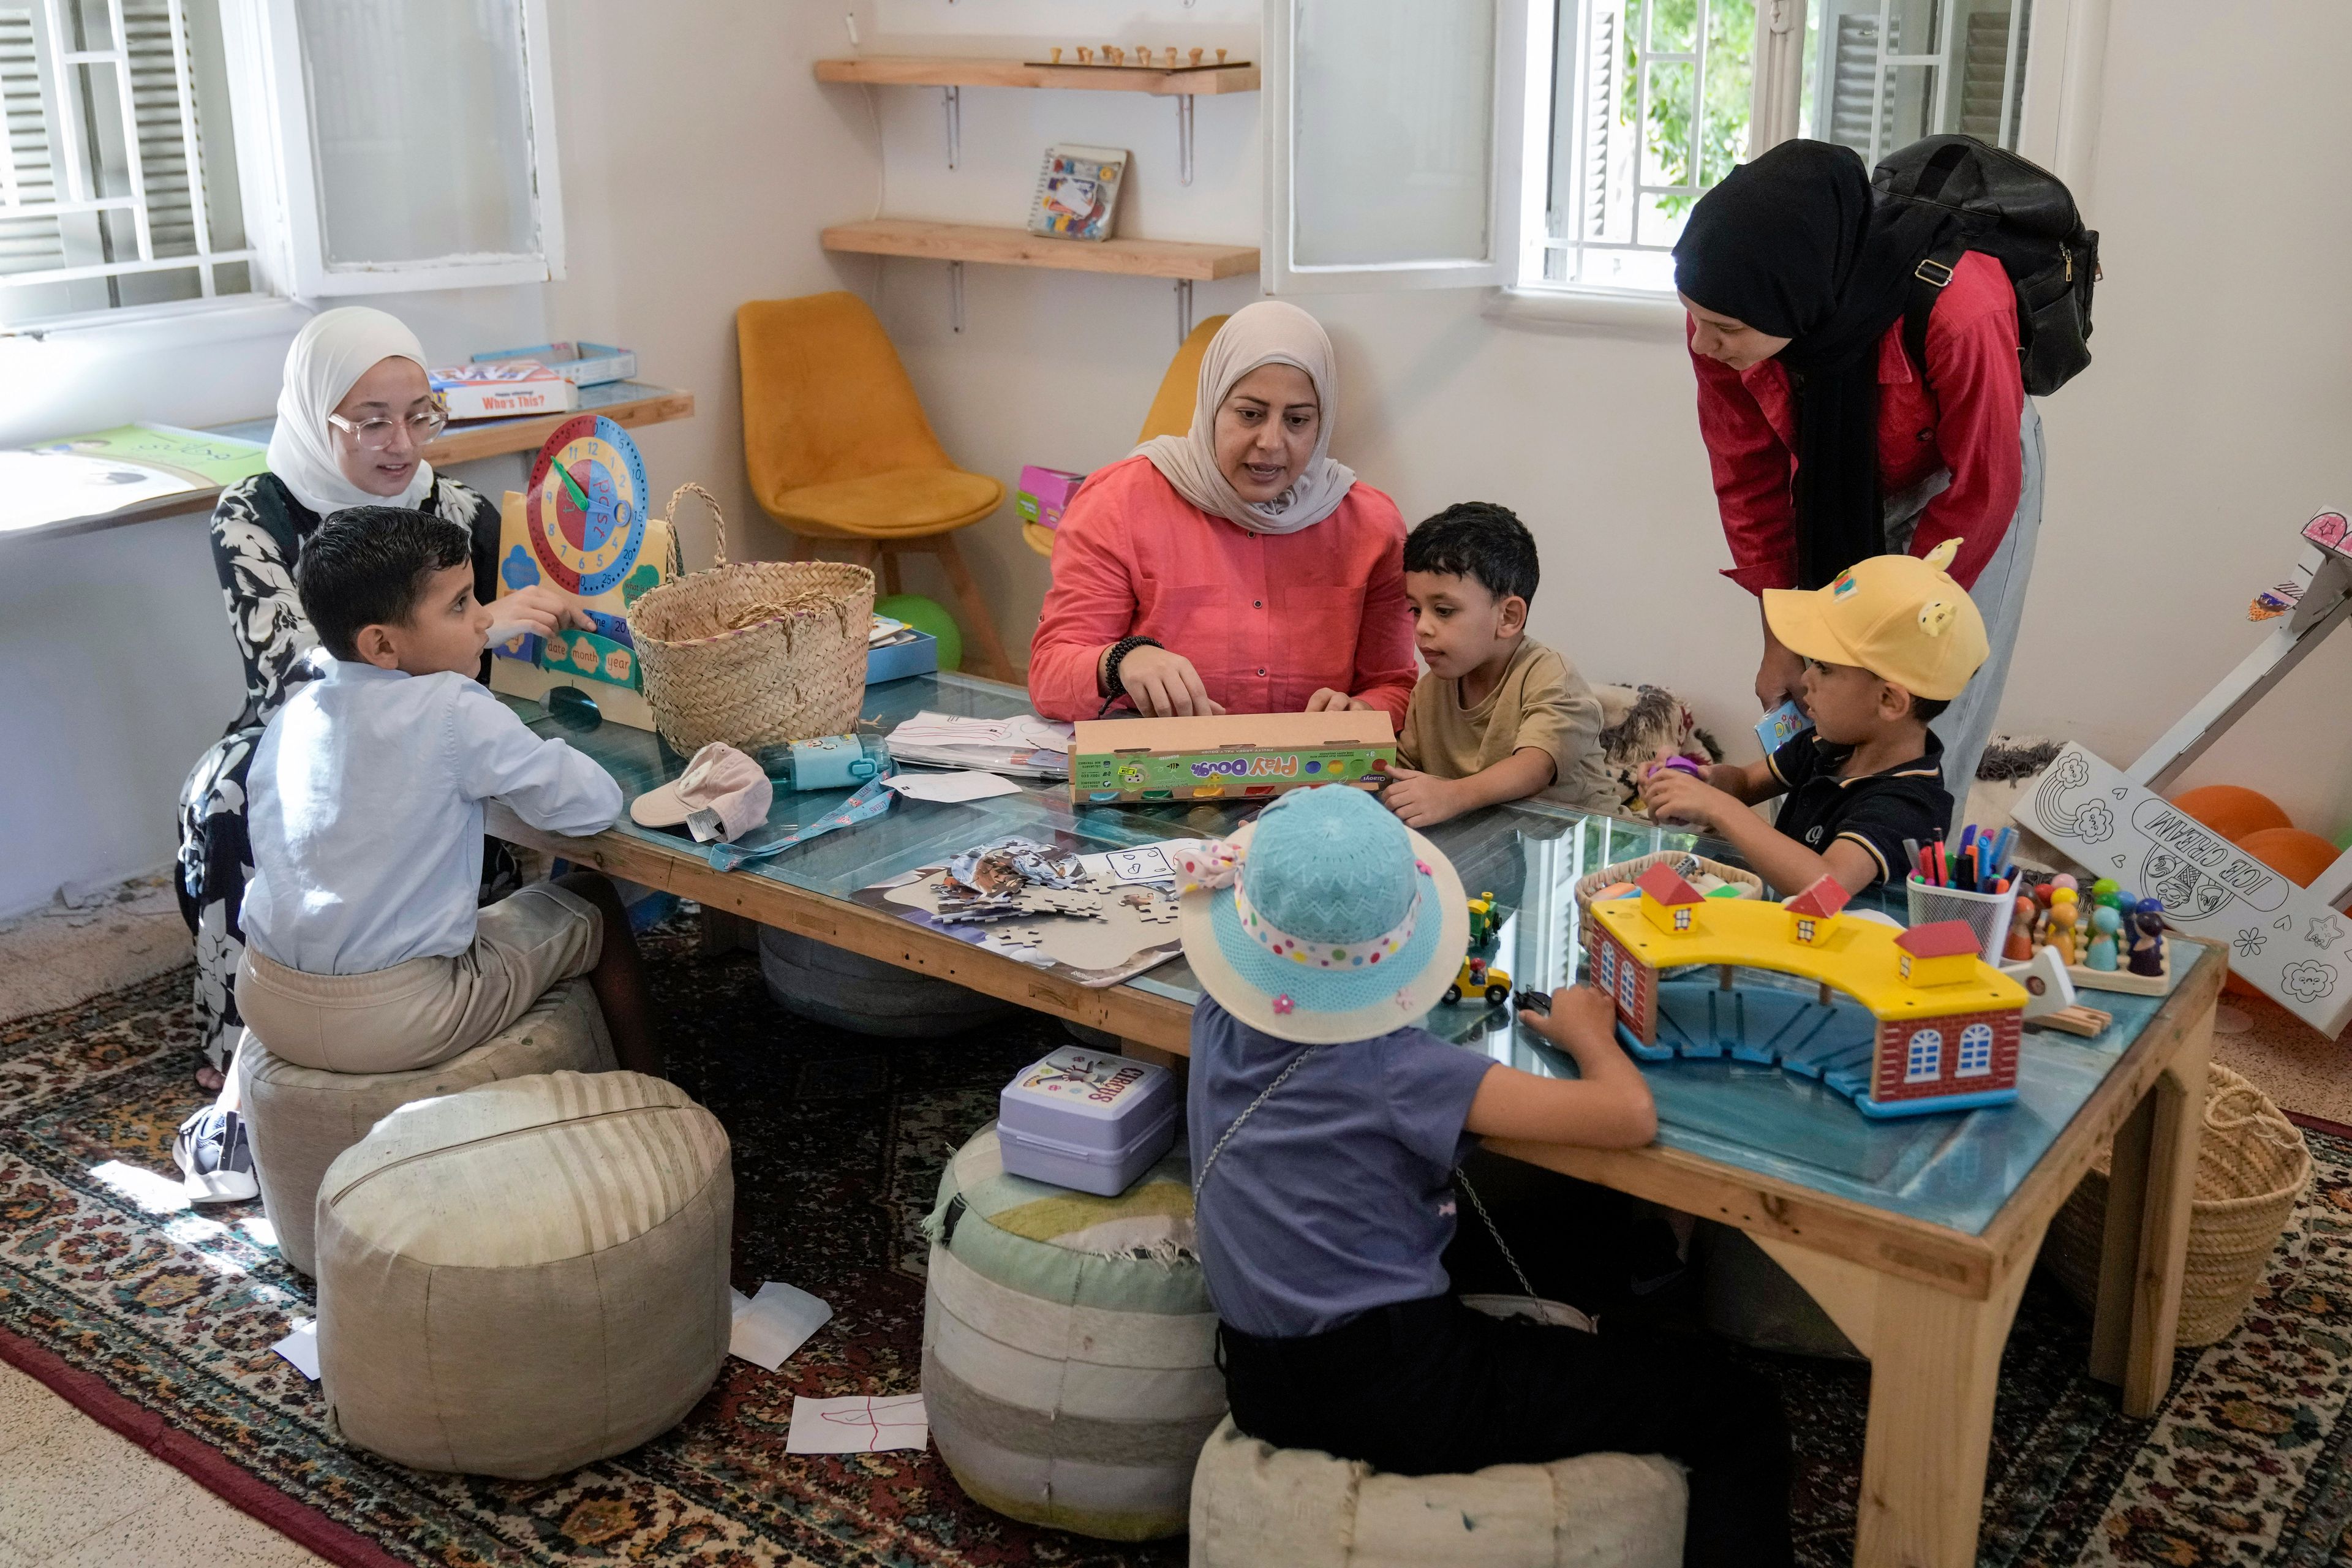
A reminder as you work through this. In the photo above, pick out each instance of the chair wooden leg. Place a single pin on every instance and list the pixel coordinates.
(890, 588)
(803, 548)
(862, 552)
(981, 626)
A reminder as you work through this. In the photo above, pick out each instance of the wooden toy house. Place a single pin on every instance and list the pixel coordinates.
(1906, 1021)
(1813, 914)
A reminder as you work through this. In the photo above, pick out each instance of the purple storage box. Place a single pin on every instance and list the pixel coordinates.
(1087, 1120)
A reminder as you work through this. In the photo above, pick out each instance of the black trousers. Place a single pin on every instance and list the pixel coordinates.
(1432, 1387)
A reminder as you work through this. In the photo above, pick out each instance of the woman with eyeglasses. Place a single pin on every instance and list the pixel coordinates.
(353, 416)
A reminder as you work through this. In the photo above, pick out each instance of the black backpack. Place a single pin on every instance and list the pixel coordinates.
(2022, 216)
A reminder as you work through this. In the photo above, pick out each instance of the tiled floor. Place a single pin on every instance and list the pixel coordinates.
(74, 1495)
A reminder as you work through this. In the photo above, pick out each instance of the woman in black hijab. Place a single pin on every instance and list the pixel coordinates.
(1827, 443)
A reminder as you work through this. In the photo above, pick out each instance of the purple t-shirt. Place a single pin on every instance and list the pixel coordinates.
(1337, 1195)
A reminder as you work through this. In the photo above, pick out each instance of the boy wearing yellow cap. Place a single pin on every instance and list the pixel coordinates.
(1886, 646)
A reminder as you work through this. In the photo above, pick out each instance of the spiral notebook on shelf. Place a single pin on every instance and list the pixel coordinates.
(1078, 191)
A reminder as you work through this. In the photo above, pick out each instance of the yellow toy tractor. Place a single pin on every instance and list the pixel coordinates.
(1479, 977)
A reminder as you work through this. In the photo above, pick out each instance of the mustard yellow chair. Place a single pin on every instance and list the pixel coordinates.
(1171, 409)
(838, 449)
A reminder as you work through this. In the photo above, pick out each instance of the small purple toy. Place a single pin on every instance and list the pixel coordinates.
(2147, 942)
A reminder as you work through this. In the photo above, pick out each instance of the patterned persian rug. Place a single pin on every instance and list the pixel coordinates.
(158, 1319)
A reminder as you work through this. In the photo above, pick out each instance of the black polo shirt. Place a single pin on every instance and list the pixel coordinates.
(1877, 811)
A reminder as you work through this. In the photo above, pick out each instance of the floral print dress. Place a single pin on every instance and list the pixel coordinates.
(258, 531)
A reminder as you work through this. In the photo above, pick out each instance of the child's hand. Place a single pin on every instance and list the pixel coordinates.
(1676, 796)
(1422, 800)
(1579, 1014)
(543, 609)
(1327, 700)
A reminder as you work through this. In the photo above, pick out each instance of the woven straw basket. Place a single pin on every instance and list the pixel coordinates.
(1629, 870)
(2252, 1164)
(756, 654)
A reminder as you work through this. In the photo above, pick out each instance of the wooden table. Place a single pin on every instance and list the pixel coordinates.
(1930, 1303)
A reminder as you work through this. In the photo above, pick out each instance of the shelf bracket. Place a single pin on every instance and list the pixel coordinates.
(955, 295)
(1183, 310)
(952, 98)
(1183, 138)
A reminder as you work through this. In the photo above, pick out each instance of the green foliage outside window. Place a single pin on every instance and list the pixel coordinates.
(1730, 77)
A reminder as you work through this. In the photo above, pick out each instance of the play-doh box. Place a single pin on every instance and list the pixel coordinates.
(1227, 755)
(1087, 1120)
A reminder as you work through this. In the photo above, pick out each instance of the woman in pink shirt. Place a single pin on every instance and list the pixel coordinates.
(1236, 568)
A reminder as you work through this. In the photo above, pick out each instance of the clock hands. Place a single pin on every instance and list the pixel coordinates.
(579, 496)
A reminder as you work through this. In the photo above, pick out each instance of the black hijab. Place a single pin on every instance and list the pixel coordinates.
(1794, 244)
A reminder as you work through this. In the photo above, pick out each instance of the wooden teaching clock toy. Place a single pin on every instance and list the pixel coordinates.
(585, 527)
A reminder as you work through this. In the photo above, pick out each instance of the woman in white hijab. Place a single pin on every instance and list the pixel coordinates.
(1236, 567)
(354, 413)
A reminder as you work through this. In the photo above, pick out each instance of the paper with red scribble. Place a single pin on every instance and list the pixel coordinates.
(862, 1423)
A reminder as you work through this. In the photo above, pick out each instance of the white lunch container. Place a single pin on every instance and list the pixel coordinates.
(1087, 1120)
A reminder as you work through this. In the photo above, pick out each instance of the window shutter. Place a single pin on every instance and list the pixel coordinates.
(28, 178)
(1855, 72)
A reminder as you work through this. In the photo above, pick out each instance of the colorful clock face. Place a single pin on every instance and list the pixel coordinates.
(588, 505)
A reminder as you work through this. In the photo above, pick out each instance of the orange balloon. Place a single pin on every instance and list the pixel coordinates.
(2231, 810)
(2297, 856)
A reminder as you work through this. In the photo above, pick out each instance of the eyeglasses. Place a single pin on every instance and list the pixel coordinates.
(375, 434)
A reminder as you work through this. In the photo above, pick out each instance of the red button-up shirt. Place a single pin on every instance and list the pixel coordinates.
(1266, 618)
(1964, 417)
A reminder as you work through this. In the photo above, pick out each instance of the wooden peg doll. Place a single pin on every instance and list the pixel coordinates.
(2147, 940)
(1056, 55)
(2064, 910)
(1221, 57)
(2017, 947)
(2105, 925)
(1086, 56)
(1196, 55)
(1114, 54)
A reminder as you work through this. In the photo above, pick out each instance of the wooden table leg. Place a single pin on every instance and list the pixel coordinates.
(1935, 1364)
(2111, 1315)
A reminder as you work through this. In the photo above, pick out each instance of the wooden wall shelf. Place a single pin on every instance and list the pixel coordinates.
(925, 70)
(1184, 260)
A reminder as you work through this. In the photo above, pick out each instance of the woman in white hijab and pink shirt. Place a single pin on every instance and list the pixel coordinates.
(353, 413)
(1236, 567)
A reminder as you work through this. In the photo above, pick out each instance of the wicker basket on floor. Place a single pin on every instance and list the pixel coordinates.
(2252, 1165)
(755, 654)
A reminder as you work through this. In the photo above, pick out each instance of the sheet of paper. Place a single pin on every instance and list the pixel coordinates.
(58, 486)
(1144, 863)
(770, 1326)
(863, 1423)
(951, 786)
(301, 1347)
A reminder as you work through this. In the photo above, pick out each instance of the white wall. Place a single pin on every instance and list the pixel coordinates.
(2180, 465)
(705, 189)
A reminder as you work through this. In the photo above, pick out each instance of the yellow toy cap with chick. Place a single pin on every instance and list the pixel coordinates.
(1901, 617)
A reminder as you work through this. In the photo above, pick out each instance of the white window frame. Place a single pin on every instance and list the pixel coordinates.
(272, 94)
(2058, 114)
(1281, 273)
(1975, 1049)
(1923, 1056)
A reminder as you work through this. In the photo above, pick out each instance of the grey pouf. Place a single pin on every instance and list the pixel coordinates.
(1255, 1505)
(526, 1277)
(299, 1119)
(828, 985)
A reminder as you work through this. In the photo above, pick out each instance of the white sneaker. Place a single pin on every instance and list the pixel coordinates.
(215, 1159)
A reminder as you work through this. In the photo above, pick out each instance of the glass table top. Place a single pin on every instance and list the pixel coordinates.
(1954, 1168)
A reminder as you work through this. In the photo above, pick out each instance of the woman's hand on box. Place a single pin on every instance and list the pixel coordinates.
(1327, 700)
(1164, 685)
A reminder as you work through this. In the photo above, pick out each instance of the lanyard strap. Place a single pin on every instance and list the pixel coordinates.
(873, 800)
(1263, 1095)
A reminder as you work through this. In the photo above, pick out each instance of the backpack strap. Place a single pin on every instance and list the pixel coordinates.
(1927, 282)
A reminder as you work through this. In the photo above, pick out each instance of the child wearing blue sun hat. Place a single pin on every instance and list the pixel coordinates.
(1325, 1127)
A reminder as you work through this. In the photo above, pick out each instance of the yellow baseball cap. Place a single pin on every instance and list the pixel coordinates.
(1901, 617)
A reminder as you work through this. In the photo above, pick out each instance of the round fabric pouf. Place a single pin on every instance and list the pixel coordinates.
(526, 1277)
(1069, 1349)
(815, 980)
(1255, 1504)
(299, 1119)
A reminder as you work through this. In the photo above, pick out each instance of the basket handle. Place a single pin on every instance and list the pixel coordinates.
(717, 516)
(2247, 1114)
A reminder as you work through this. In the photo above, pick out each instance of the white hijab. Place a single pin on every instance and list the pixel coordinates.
(1268, 332)
(332, 352)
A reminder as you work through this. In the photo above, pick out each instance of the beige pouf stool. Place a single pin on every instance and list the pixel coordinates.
(299, 1119)
(1255, 1504)
(523, 1278)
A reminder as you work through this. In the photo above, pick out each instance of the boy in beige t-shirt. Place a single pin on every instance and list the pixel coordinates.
(1499, 716)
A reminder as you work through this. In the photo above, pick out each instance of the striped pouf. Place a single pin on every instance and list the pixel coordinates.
(1069, 1349)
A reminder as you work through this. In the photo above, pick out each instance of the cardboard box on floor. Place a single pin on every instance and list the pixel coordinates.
(1228, 755)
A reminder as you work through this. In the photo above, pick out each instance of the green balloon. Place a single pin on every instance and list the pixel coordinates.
(929, 616)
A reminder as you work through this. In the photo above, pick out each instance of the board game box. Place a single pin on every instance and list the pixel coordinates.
(1227, 755)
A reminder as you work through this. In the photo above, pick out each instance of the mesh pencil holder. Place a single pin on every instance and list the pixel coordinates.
(760, 653)
(1987, 914)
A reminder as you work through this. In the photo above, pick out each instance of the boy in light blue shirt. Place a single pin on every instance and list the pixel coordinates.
(365, 951)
